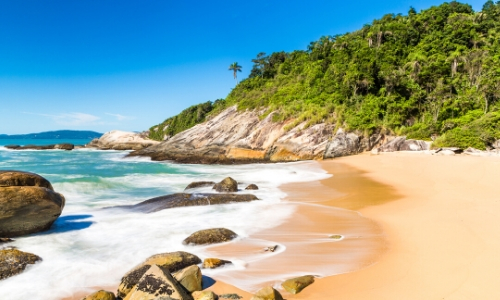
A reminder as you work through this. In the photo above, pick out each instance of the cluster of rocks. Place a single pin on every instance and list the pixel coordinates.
(177, 275)
(121, 140)
(28, 204)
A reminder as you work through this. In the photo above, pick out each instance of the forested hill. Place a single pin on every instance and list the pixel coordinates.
(430, 74)
(60, 134)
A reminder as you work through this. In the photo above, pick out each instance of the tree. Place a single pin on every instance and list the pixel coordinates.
(235, 68)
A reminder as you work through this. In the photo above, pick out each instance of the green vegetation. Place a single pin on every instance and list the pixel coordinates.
(430, 74)
(235, 68)
(186, 119)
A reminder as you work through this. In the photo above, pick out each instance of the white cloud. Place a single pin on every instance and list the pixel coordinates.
(120, 117)
(71, 119)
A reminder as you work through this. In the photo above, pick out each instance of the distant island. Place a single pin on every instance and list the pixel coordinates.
(59, 134)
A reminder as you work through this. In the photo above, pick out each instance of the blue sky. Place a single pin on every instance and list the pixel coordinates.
(102, 65)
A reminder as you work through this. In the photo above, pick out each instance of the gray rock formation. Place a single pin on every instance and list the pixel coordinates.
(28, 203)
(343, 144)
(184, 199)
(400, 143)
(121, 140)
(13, 261)
(172, 261)
(210, 236)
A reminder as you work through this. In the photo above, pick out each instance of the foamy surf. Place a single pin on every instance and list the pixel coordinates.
(89, 246)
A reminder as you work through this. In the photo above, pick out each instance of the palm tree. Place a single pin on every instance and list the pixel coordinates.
(235, 68)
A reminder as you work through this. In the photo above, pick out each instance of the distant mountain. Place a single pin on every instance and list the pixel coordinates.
(59, 134)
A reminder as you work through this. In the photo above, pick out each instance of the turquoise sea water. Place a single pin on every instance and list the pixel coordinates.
(90, 247)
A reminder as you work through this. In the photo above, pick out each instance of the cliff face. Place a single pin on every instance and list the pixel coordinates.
(240, 137)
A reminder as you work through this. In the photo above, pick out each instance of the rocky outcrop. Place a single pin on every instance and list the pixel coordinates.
(241, 137)
(172, 262)
(100, 295)
(190, 278)
(157, 283)
(210, 236)
(184, 199)
(227, 185)
(343, 144)
(28, 203)
(296, 285)
(13, 261)
(121, 140)
(267, 293)
(400, 143)
(212, 263)
(64, 146)
(198, 184)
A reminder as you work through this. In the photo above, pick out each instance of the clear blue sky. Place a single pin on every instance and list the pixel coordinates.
(102, 65)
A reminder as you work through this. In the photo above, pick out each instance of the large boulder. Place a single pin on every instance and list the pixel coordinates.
(172, 261)
(13, 261)
(121, 140)
(267, 293)
(185, 199)
(100, 295)
(210, 236)
(28, 203)
(343, 144)
(190, 278)
(198, 184)
(227, 185)
(157, 284)
(204, 295)
(400, 143)
(252, 186)
(296, 285)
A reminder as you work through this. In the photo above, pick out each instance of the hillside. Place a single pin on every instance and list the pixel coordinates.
(428, 75)
(60, 134)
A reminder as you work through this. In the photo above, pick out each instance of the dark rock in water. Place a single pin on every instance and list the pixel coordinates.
(212, 263)
(100, 295)
(64, 146)
(198, 184)
(227, 185)
(172, 261)
(230, 296)
(296, 285)
(19, 178)
(13, 261)
(267, 293)
(271, 249)
(184, 199)
(157, 283)
(27, 203)
(5, 240)
(252, 187)
(210, 236)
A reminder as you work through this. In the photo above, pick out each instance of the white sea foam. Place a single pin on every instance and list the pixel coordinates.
(89, 246)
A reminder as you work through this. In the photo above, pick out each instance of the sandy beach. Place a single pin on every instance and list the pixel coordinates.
(415, 226)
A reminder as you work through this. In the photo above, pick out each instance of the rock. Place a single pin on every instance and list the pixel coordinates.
(190, 278)
(12, 147)
(400, 143)
(475, 152)
(212, 263)
(252, 187)
(336, 237)
(184, 199)
(19, 178)
(210, 236)
(445, 153)
(393, 145)
(157, 284)
(64, 146)
(27, 204)
(205, 295)
(198, 184)
(227, 185)
(13, 261)
(121, 140)
(5, 240)
(100, 295)
(267, 293)
(230, 296)
(455, 150)
(343, 144)
(271, 249)
(496, 144)
(296, 285)
(172, 261)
